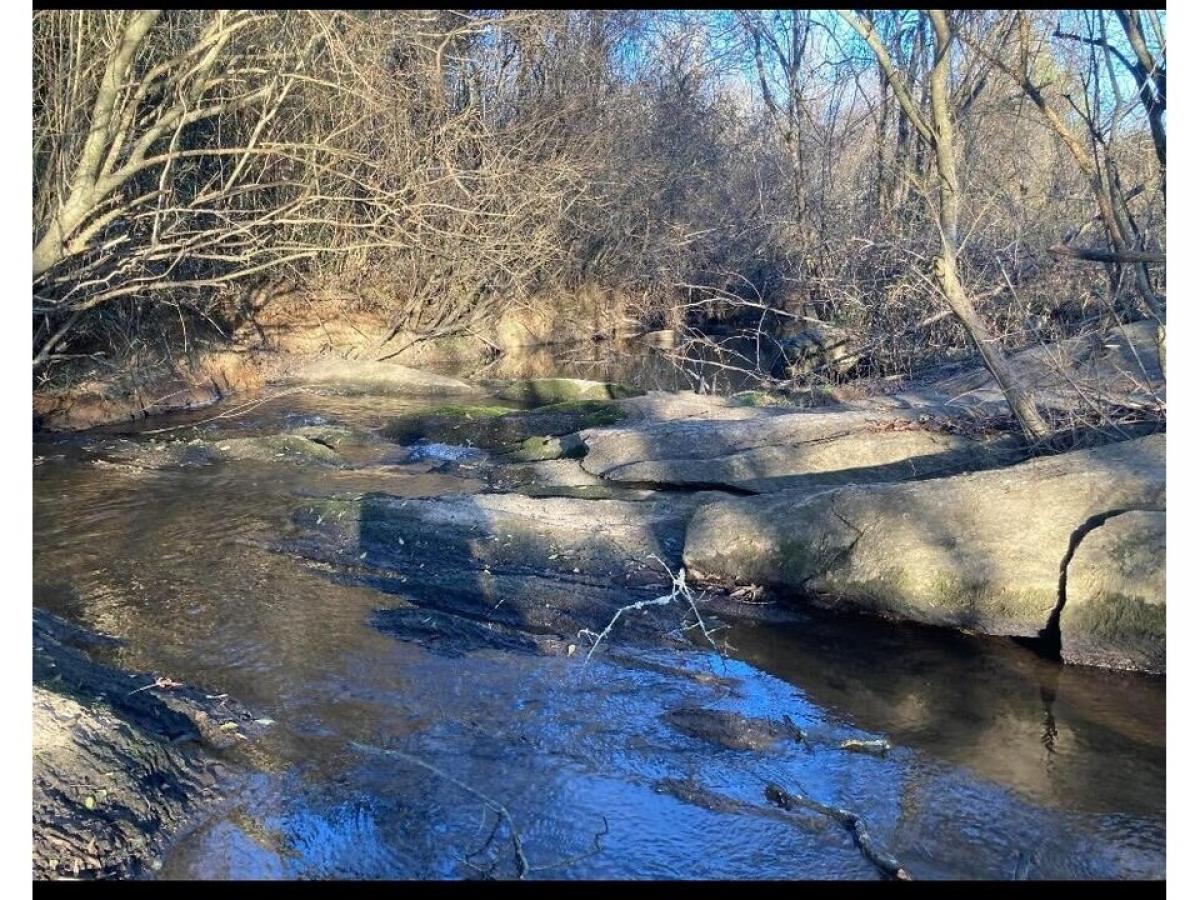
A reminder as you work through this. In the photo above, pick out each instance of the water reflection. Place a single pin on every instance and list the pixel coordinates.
(1069, 736)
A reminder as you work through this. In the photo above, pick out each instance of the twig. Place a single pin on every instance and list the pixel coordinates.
(679, 588)
(522, 863)
(232, 413)
(164, 683)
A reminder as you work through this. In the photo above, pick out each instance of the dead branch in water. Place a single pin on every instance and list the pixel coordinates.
(519, 858)
(231, 413)
(852, 822)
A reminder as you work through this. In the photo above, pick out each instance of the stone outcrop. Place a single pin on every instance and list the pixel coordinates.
(793, 450)
(119, 763)
(981, 552)
(1115, 613)
(544, 391)
(367, 377)
(1123, 367)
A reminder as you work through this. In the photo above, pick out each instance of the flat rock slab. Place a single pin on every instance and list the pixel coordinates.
(663, 406)
(980, 552)
(1116, 606)
(1123, 366)
(272, 448)
(791, 451)
(529, 566)
(368, 377)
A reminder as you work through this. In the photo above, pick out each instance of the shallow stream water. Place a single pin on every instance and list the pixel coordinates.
(1005, 764)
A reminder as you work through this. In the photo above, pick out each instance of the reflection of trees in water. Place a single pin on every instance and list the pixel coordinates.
(1049, 691)
(1083, 741)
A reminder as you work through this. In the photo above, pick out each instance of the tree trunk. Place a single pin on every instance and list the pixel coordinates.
(938, 133)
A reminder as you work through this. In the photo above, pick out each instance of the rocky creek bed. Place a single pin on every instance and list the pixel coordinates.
(566, 573)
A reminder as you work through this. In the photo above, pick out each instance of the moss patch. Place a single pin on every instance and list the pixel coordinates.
(541, 447)
(497, 427)
(558, 390)
(1116, 618)
(590, 413)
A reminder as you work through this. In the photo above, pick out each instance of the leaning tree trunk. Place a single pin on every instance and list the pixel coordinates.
(937, 132)
(1018, 397)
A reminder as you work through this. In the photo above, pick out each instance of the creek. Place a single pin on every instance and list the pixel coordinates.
(1003, 764)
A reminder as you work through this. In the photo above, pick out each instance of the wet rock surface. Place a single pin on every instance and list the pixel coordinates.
(540, 566)
(732, 730)
(442, 599)
(501, 428)
(121, 761)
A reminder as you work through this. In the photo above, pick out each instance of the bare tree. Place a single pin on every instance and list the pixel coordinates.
(937, 130)
(1095, 165)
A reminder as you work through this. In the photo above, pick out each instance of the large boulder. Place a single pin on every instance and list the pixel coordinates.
(818, 346)
(796, 450)
(1116, 602)
(980, 552)
(359, 376)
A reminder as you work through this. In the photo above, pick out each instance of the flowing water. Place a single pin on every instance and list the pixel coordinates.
(1004, 764)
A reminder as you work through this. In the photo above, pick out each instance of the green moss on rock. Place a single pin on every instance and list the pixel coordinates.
(558, 390)
(500, 428)
(1115, 617)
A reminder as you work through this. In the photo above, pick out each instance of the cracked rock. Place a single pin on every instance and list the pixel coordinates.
(1116, 598)
(980, 552)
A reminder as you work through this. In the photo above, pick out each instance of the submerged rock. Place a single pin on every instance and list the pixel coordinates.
(1116, 599)
(732, 730)
(794, 450)
(298, 448)
(544, 391)
(498, 427)
(449, 635)
(360, 376)
(294, 448)
(539, 566)
(980, 552)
